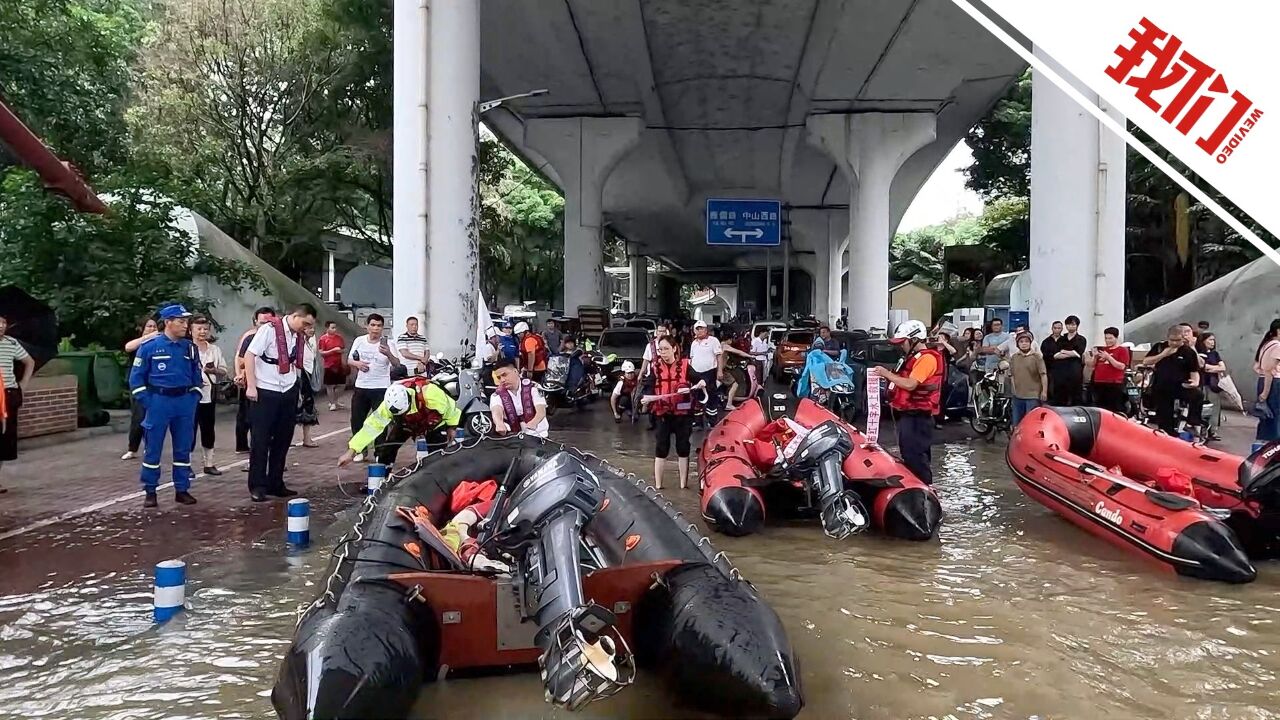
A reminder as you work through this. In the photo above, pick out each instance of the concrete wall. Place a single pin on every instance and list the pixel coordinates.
(233, 310)
(1239, 307)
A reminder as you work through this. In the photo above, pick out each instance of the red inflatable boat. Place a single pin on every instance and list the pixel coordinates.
(1197, 511)
(743, 475)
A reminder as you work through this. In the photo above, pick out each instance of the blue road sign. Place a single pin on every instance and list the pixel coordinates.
(744, 222)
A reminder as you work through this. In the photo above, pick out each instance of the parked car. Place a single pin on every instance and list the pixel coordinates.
(627, 343)
(647, 324)
(788, 358)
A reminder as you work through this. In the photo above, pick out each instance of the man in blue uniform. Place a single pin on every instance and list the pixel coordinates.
(166, 379)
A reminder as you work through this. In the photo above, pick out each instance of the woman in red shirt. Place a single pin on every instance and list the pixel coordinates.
(1109, 363)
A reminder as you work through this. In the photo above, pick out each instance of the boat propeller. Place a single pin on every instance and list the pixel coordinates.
(587, 658)
(819, 458)
(584, 657)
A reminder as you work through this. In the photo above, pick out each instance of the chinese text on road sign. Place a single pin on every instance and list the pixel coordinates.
(744, 222)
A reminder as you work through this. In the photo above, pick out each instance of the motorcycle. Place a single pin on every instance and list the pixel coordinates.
(1139, 381)
(992, 406)
(567, 382)
(830, 383)
(537, 523)
(462, 381)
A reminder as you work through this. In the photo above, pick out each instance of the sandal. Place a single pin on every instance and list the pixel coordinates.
(312, 445)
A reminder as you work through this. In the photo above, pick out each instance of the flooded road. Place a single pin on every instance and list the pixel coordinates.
(1012, 614)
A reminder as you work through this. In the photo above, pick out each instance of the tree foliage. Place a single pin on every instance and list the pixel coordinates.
(100, 273)
(65, 70)
(521, 226)
(230, 90)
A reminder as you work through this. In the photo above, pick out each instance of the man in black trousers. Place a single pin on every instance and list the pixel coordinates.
(261, 316)
(272, 369)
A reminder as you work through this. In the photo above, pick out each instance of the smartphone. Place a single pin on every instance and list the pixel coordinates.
(383, 342)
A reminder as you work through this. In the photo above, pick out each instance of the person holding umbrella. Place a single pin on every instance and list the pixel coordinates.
(11, 353)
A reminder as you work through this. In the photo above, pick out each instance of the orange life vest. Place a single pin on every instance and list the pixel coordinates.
(672, 379)
(927, 397)
(420, 419)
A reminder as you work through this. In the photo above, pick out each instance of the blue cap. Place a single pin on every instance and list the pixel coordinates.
(173, 312)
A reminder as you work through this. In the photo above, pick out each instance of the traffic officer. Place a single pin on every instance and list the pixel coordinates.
(166, 379)
(916, 396)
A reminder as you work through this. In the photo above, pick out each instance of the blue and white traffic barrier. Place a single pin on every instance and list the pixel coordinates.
(377, 473)
(1187, 436)
(171, 589)
(422, 448)
(298, 531)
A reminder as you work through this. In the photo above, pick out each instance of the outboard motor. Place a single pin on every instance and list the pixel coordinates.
(584, 657)
(819, 458)
(1260, 476)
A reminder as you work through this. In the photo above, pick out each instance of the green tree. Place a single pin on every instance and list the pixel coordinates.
(521, 226)
(100, 273)
(228, 94)
(65, 70)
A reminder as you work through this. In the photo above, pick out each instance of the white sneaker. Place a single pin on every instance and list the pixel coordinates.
(129, 455)
(359, 457)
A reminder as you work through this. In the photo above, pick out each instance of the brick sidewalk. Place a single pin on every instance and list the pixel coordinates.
(48, 481)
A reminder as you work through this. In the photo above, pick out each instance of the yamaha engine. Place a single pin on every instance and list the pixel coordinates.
(819, 458)
(584, 657)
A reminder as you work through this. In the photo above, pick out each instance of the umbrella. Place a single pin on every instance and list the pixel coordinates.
(31, 323)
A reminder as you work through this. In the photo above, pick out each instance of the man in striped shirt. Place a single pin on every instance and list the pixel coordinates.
(413, 348)
(12, 352)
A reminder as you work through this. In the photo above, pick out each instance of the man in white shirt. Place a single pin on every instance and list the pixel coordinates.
(488, 351)
(413, 348)
(517, 405)
(271, 370)
(706, 360)
(373, 357)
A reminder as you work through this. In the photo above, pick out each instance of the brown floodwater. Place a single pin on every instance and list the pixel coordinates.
(1011, 613)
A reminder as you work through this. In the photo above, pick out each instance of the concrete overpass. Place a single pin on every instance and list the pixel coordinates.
(839, 108)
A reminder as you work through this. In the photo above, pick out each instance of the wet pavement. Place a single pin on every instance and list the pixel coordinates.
(1011, 613)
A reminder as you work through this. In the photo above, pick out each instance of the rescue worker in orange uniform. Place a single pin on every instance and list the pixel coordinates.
(916, 395)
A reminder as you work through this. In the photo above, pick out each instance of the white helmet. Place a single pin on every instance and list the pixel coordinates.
(397, 399)
(628, 366)
(910, 330)
(522, 327)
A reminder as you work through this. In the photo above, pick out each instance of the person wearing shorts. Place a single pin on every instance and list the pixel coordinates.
(673, 411)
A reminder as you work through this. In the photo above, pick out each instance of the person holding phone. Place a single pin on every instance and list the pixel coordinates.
(1109, 363)
(214, 370)
(373, 357)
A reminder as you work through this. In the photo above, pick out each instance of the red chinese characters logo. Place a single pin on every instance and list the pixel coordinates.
(1189, 89)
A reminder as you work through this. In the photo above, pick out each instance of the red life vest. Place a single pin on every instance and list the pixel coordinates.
(672, 379)
(420, 419)
(629, 386)
(927, 397)
(514, 421)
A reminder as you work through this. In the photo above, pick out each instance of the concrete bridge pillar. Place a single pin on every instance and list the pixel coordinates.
(409, 163)
(1077, 214)
(453, 237)
(583, 151)
(870, 148)
(639, 288)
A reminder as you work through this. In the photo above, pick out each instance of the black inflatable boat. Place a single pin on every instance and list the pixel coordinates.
(600, 566)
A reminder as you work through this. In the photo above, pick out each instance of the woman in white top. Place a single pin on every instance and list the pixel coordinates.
(1266, 363)
(215, 371)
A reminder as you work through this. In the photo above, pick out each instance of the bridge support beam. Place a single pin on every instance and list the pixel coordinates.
(409, 165)
(870, 148)
(1077, 214)
(584, 152)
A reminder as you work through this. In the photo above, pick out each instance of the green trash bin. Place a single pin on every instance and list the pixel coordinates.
(83, 364)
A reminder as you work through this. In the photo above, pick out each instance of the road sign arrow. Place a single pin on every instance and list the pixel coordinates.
(757, 233)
